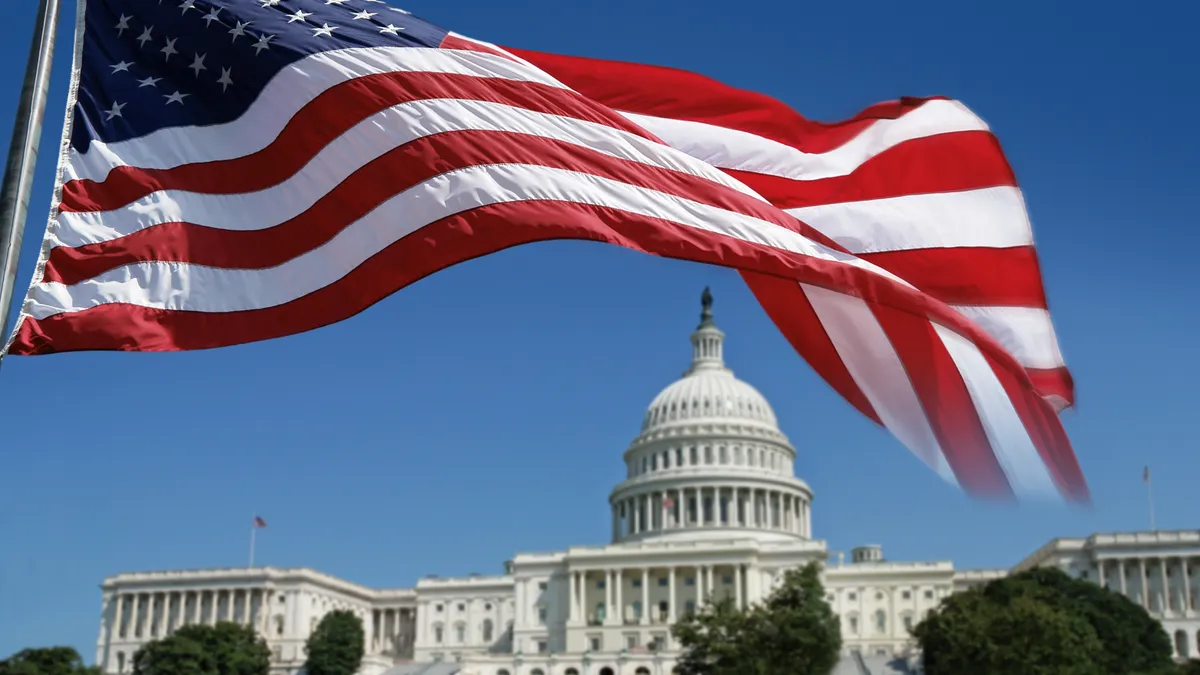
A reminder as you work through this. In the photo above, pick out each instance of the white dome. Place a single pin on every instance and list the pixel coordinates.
(710, 460)
(708, 395)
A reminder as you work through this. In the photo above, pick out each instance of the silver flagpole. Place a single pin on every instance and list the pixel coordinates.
(23, 152)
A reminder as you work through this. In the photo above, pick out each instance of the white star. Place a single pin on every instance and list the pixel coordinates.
(364, 15)
(225, 80)
(198, 64)
(149, 82)
(122, 24)
(175, 98)
(300, 15)
(391, 30)
(269, 3)
(264, 42)
(211, 16)
(145, 36)
(170, 48)
(326, 30)
(115, 112)
(186, 5)
(239, 30)
(122, 66)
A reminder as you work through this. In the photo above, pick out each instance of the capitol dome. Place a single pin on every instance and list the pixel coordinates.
(710, 459)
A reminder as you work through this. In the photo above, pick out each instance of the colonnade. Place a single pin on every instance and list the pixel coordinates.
(394, 631)
(145, 615)
(715, 506)
(1174, 595)
(658, 606)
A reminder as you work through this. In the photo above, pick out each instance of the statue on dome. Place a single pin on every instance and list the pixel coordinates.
(706, 301)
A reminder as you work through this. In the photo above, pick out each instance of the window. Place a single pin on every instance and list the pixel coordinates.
(595, 641)
(461, 607)
(662, 581)
(689, 581)
(722, 456)
(928, 595)
(541, 585)
(908, 622)
(880, 621)
(853, 621)
(727, 579)
(879, 596)
(679, 457)
(541, 646)
(120, 662)
(437, 633)
(693, 453)
(708, 454)
(906, 595)
(852, 596)
(637, 609)
(542, 616)
(690, 607)
(637, 583)
(600, 585)
(631, 641)
(537, 671)
(487, 630)
(1083, 574)
(487, 607)
(438, 608)
(654, 462)
(460, 633)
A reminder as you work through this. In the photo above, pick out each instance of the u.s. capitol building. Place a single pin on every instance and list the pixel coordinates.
(710, 508)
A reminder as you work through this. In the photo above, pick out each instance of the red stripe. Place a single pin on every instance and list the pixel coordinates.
(788, 306)
(371, 185)
(681, 95)
(970, 276)
(1047, 434)
(964, 160)
(1053, 382)
(947, 403)
(318, 123)
(452, 41)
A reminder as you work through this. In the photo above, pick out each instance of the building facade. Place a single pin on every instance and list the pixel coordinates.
(710, 508)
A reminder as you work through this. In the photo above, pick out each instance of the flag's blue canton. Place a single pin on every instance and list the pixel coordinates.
(149, 64)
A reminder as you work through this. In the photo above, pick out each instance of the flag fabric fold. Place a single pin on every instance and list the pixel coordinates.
(236, 171)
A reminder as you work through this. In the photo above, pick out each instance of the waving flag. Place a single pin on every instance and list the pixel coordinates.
(236, 171)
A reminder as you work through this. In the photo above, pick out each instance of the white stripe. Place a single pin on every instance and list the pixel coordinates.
(1025, 332)
(181, 286)
(877, 370)
(992, 217)
(744, 151)
(1015, 451)
(368, 140)
(289, 91)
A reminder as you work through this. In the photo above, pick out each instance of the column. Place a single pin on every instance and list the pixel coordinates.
(165, 614)
(671, 595)
(619, 590)
(119, 616)
(610, 613)
(711, 586)
(738, 576)
(798, 507)
(574, 612)
(645, 619)
(1187, 588)
(701, 579)
(1164, 600)
(1124, 584)
(1100, 569)
(1142, 583)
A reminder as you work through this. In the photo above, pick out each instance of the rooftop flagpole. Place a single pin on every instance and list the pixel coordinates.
(23, 152)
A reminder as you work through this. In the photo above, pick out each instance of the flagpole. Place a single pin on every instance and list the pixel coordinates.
(1150, 500)
(253, 534)
(23, 152)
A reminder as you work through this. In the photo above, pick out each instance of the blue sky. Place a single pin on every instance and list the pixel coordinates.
(484, 410)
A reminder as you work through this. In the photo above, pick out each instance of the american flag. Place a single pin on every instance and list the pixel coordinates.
(237, 171)
(259, 522)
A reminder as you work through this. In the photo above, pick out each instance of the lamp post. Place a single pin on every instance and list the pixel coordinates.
(587, 662)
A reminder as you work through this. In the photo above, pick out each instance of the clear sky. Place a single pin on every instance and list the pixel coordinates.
(484, 410)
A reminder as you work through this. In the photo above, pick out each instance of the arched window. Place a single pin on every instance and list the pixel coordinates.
(438, 633)
(1181, 644)
(571, 671)
(537, 671)
(881, 621)
(502, 671)
(120, 662)
(642, 670)
(487, 630)
(460, 633)
(606, 671)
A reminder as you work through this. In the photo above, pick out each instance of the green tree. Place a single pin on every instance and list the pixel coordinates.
(336, 646)
(1028, 622)
(793, 632)
(222, 649)
(46, 661)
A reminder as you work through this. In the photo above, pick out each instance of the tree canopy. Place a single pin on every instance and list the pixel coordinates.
(46, 661)
(223, 649)
(793, 632)
(336, 646)
(1042, 622)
